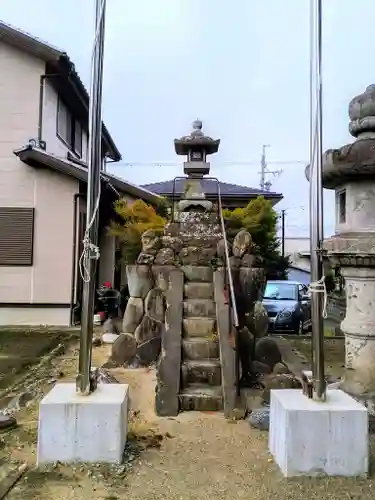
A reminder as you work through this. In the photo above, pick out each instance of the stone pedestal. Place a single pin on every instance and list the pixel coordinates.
(75, 428)
(312, 438)
(359, 329)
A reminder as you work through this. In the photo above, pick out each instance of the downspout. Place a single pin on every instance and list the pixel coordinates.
(41, 103)
(74, 260)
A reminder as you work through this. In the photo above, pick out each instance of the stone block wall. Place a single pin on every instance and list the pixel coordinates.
(153, 318)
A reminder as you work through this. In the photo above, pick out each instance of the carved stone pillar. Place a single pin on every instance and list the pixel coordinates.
(359, 329)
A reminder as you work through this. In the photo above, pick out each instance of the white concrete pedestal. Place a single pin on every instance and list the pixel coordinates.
(311, 438)
(74, 428)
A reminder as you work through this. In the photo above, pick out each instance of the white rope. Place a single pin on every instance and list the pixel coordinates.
(91, 251)
(320, 287)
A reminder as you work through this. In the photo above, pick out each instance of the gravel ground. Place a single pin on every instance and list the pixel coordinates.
(210, 457)
(201, 456)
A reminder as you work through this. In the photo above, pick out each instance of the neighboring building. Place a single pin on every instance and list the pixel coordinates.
(299, 251)
(298, 274)
(43, 183)
(232, 195)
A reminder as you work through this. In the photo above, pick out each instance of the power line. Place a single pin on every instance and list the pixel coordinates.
(215, 164)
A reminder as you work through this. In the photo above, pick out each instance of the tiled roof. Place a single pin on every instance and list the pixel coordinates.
(210, 187)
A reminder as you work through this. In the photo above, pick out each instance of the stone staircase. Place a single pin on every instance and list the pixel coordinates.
(201, 384)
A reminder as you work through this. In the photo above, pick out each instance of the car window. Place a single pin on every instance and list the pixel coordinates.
(281, 291)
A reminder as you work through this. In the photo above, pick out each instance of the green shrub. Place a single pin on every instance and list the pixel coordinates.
(260, 219)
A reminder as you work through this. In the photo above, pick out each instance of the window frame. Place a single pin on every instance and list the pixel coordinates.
(71, 124)
(22, 262)
(78, 150)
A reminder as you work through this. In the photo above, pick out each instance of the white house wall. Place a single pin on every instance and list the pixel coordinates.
(51, 194)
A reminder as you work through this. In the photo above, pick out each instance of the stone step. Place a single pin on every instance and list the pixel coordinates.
(198, 327)
(201, 398)
(200, 348)
(199, 308)
(198, 290)
(198, 273)
(201, 371)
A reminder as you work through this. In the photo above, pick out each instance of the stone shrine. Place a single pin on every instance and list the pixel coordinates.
(350, 171)
(178, 313)
(196, 147)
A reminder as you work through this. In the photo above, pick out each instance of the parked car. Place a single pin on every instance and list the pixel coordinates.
(288, 306)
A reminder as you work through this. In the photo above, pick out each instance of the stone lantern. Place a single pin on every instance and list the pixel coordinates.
(196, 147)
(350, 171)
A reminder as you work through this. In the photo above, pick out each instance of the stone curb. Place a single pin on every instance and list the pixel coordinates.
(11, 479)
(59, 349)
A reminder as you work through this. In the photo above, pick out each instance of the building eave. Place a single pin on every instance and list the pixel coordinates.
(48, 53)
(299, 268)
(38, 158)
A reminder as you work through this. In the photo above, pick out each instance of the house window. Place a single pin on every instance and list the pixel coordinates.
(341, 206)
(69, 130)
(78, 138)
(64, 123)
(16, 236)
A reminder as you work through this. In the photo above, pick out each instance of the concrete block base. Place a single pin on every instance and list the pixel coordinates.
(74, 428)
(311, 438)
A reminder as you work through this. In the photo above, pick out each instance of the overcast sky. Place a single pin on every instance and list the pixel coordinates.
(241, 66)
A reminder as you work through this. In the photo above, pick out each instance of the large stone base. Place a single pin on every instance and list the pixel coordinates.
(74, 428)
(311, 438)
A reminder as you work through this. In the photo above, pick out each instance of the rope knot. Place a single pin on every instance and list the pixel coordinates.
(90, 252)
(320, 287)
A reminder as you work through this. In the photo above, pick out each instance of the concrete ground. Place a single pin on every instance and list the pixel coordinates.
(194, 456)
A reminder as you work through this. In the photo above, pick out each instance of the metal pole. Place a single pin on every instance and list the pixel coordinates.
(316, 217)
(83, 384)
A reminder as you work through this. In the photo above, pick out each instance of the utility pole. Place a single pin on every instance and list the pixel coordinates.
(266, 185)
(283, 233)
(84, 384)
(263, 167)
